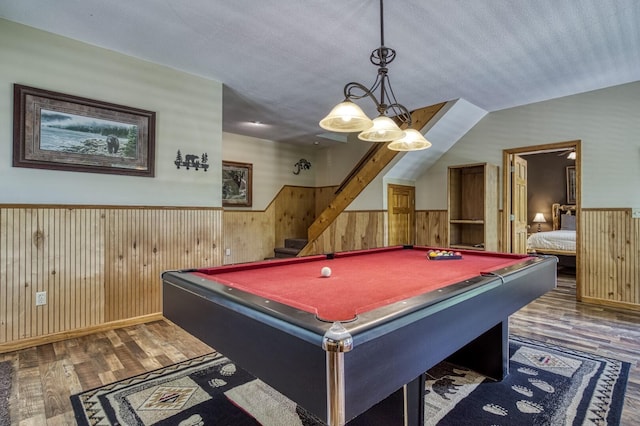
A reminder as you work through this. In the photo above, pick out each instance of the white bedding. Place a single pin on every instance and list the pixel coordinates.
(552, 240)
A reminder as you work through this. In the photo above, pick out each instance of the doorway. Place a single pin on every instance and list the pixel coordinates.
(401, 206)
(516, 222)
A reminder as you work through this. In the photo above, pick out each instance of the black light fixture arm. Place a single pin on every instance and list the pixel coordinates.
(380, 57)
(350, 95)
(399, 110)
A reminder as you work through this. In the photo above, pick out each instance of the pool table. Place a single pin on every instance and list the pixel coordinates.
(339, 345)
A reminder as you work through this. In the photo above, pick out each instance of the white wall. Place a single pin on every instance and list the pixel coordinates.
(273, 165)
(339, 160)
(188, 117)
(607, 121)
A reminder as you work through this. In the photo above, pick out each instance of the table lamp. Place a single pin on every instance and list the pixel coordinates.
(539, 218)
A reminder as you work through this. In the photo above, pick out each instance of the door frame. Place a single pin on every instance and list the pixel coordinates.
(412, 221)
(506, 194)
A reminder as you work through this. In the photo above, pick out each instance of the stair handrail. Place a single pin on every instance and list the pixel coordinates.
(364, 160)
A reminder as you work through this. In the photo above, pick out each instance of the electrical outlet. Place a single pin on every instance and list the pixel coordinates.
(635, 212)
(227, 252)
(41, 298)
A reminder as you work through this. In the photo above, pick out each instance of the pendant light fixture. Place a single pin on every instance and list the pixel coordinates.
(348, 117)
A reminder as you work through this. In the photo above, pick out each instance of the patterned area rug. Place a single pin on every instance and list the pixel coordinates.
(547, 385)
(6, 378)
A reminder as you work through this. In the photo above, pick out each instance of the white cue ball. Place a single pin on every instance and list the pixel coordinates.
(325, 271)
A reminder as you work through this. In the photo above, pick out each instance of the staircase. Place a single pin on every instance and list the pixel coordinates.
(292, 247)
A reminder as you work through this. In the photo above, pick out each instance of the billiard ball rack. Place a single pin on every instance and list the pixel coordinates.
(443, 255)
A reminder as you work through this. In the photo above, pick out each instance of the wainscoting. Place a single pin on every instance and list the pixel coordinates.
(252, 235)
(352, 230)
(609, 269)
(98, 265)
(101, 265)
(431, 228)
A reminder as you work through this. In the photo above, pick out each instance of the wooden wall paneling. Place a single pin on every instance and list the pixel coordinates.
(149, 288)
(55, 295)
(352, 230)
(295, 208)
(609, 257)
(6, 276)
(28, 276)
(323, 196)
(431, 228)
(95, 275)
(369, 228)
(72, 256)
(144, 242)
(134, 280)
(592, 270)
(97, 264)
(38, 276)
(4, 288)
(113, 262)
(249, 235)
(623, 284)
(214, 232)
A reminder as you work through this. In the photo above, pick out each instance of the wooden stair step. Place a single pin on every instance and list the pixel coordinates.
(284, 252)
(296, 243)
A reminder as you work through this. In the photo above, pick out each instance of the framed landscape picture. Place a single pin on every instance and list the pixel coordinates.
(236, 184)
(63, 132)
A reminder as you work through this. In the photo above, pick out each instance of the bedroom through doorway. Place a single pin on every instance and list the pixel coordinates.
(541, 203)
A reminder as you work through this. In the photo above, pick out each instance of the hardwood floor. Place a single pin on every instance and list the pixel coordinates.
(47, 375)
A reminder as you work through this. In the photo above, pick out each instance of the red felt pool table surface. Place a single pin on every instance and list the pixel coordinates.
(360, 281)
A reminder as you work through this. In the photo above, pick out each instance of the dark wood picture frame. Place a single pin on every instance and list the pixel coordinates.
(237, 184)
(571, 184)
(57, 131)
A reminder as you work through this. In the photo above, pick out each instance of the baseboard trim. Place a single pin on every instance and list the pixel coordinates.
(610, 303)
(64, 335)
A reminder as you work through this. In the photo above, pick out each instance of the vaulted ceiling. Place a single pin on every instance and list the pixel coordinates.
(284, 62)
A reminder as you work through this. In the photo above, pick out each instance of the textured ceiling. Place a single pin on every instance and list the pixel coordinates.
(284, 62)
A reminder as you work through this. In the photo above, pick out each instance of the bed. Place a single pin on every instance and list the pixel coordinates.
(561, 241)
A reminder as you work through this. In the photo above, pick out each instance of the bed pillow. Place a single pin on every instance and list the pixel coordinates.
(567, 222)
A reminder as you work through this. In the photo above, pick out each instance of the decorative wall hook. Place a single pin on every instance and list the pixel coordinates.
(191, 160)
(302, 164)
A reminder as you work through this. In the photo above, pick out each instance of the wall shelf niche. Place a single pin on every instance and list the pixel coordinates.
(473, 206)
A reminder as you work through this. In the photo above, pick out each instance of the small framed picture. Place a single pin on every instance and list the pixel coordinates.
(571, 184)
(57, 131)
(236, 184)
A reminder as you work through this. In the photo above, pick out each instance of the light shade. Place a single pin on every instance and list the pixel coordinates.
(346, 117)
(384, 129)
(412, 141)
(539, 218)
